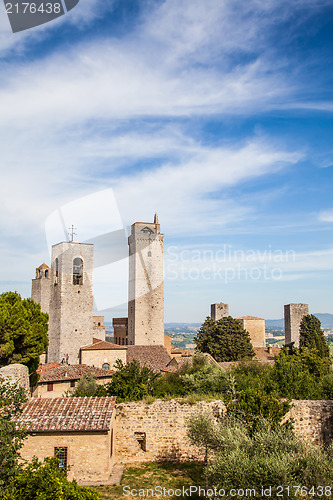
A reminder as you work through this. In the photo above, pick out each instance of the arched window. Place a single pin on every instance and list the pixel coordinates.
(149, 253)
(106, 366)
(46, 273)
(77, 271)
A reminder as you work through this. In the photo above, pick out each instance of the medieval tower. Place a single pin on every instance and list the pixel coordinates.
(68, 289)
(146, 294)
(293, 315)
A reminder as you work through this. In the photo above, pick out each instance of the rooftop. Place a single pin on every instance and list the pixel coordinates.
(102, 345)
(68, 414)
(251, 317)
(154, 357)
(65, 372)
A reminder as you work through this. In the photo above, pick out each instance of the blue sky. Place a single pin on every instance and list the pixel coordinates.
(217, 114)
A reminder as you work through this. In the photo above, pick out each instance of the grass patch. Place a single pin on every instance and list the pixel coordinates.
(167, 475)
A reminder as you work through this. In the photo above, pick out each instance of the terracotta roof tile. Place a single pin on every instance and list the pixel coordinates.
(102, 345)
(72, 372)
(154, 357)
(68, 414)
(45, 368)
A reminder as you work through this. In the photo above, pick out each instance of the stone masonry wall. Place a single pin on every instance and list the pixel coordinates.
(148, 432)
(163, 423)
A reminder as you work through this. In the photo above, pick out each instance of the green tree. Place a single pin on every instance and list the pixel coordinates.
(312, 336)
(11, 434)
(23, 331)
(225, 339)
(45, 481)
(131, 382)
(87, 386)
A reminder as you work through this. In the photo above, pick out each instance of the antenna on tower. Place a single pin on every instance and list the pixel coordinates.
(72, 232)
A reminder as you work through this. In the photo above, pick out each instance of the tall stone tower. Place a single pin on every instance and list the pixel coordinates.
(41, 287)
(218, 311)
(293, 315)
(71, 301)
(146, 294)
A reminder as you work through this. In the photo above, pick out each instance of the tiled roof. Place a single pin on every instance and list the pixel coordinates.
(44, 266)
(250, 317)
(102, 345)
(45, 368)
(72, 372)
(154, 357)
(68, 414)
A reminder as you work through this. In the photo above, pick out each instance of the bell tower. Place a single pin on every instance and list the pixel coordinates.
(71, 301)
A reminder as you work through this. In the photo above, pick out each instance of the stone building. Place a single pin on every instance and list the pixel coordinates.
(146, 293)
(256, 328)
(218, 311)
(103, 354)
(293, 315)
(120, 328)
(79, 431)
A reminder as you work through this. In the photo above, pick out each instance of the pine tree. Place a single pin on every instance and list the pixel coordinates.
(312, 336)
(225, 339)
(23, 331)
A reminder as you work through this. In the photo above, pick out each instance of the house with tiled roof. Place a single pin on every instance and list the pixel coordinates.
(79, 431)
(57, 378)
(102, 353)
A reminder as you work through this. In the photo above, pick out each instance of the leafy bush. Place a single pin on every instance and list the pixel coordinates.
(87, 386)
(11, 434)
(131, 382)
(45, 481)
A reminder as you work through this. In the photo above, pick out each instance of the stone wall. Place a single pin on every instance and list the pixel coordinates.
(97, 357)
(313, 419)
(218, 311)
(17, 374)
(148, 432)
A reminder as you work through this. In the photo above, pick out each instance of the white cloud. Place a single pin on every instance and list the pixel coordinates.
(326, 216)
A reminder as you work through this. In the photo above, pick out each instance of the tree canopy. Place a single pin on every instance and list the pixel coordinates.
(11, 434)
(23, 331)
(225, 339)
(312, 336)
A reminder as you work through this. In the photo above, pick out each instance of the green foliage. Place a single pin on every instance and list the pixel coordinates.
(23, 331)
(87, 386)
(300, 375)
(131, 382)
(312, 336)
(225, 339)
(45, 481)
(198, 377)
(253, 405)
(11, 435)
(268, 456)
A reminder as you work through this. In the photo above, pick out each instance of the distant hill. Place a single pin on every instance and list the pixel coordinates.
(326, 320)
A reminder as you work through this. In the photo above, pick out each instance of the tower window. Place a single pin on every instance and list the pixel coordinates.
(56, 271)
(106, 366)
(146, 230)
(78, 271)
(46, 273)
(149, 254)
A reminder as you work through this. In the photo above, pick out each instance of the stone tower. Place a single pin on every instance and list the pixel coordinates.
(71, 301)
(146, 295)
(41, 287)
(218, 311)
(293, 315)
